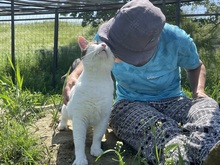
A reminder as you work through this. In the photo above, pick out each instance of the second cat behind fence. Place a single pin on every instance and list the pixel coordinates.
(90, 100)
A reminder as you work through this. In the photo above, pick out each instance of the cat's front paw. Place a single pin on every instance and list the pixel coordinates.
(62, 126)
(96, 151)
(80, 161)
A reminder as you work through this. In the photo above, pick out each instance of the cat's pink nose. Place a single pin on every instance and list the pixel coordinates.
(104, 45)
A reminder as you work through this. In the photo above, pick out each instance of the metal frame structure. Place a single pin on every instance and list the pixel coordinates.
(14, 8)
(28, 7)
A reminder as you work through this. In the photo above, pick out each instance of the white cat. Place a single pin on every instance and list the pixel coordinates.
(91, 99)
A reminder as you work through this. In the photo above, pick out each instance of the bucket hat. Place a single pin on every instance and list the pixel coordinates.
(133, 33)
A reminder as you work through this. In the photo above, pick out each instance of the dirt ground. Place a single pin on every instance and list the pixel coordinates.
(61, 148)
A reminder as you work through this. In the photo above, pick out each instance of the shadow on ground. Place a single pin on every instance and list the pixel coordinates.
(60, 147)
(65, 153)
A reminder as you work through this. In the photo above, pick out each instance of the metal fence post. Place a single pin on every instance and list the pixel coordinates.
(178, 5)
(12, 40)
(55, 50)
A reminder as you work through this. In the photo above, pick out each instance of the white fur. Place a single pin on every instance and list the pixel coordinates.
(90, 101)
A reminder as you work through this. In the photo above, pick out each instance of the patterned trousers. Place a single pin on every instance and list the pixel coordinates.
(192, 124)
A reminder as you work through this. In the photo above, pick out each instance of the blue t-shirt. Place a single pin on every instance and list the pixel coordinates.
(160, 77)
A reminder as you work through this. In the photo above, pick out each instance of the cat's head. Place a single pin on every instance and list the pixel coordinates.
(95, 54)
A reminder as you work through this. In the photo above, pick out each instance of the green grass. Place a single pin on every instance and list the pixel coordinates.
(34, 51)
(17, 113)
(34, 54)
(18, 146)
(117, 151)
(34, 36)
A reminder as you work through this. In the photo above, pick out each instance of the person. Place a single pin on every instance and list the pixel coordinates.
(150, 105)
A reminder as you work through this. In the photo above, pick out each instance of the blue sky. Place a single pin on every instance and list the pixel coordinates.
(200, 9)
(187, 9)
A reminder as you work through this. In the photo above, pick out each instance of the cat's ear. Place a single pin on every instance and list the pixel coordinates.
(82, 42)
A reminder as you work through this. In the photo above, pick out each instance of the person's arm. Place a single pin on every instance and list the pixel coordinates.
(197, 79)
(71, 81)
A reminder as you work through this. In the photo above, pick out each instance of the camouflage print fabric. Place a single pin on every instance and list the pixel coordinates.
(192, 124)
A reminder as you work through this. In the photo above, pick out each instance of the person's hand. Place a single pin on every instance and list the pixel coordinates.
(70, 83)
(199, 94)
(66, 94)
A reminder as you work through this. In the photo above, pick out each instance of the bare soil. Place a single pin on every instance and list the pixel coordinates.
(61, 148)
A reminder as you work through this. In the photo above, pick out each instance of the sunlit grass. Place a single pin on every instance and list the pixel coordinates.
(30, 37)
(34, 52)
(17, 113)
(34, 45)
(18, 146)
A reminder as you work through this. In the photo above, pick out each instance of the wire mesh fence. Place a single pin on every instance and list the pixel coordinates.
(34, 46)
(35, 39)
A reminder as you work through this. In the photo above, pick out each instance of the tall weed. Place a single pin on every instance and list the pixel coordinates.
(17, 103)
(17, 110)
(17, 145)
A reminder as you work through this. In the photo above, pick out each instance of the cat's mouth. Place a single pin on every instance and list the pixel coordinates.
(103, 50)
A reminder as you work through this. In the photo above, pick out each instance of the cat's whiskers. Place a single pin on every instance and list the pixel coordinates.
(88, 54)
(93, 52)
